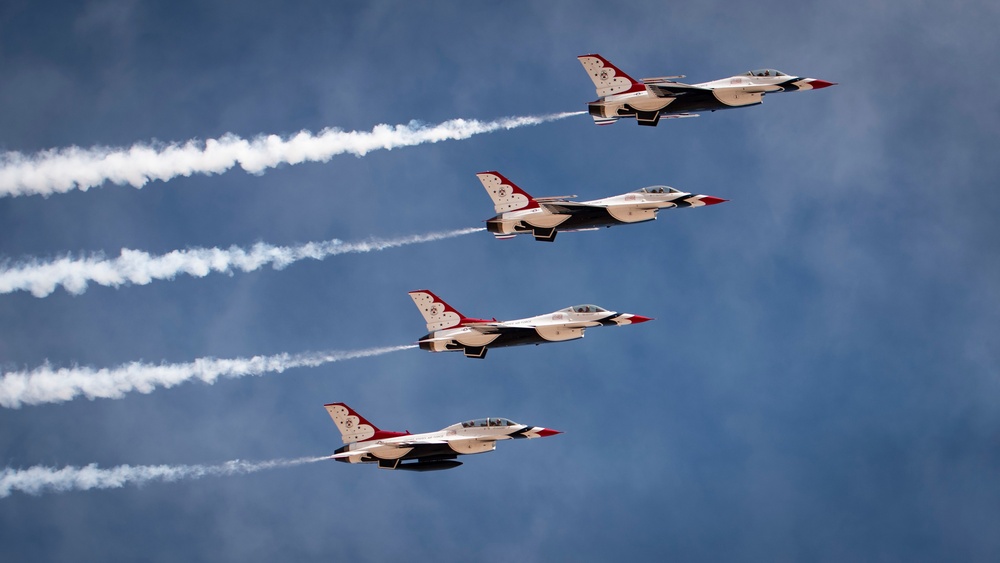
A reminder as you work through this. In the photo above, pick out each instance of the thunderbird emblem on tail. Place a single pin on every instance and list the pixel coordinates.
(451, 331)
(649, 99)
(543, 217)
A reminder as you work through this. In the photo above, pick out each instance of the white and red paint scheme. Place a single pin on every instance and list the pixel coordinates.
(431, 451)
(543, 217)
(451, 331)
(649, 99)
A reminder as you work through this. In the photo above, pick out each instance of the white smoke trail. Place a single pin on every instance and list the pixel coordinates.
(47, 385)
(137, 267)
(74, 168)
(41, 479)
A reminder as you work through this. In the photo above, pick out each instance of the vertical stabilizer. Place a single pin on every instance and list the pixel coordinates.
(609, 79)
(353, 427)
(505, 194)
(438, 314)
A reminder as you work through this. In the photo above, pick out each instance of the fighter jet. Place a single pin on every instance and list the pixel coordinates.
(543, 217)
(452, 331)
(432, 451)
(619, 95)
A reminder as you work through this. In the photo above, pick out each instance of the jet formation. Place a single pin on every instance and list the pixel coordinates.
(431, 451)
(543, 217)
(619, 96)
(649, 99)
(451, 331)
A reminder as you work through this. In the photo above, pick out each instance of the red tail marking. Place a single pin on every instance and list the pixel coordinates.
(532, 204)
(446, 306)
(462, 318)
(637, 86)
(379, 434)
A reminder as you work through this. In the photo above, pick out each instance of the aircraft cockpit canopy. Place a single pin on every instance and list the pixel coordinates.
(488, 423)
(587, 309)
(766, 72)
(657, 190)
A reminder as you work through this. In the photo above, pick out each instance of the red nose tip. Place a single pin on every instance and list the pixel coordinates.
(636, 319)
(711, 200)
(817, 84)
(548, 432)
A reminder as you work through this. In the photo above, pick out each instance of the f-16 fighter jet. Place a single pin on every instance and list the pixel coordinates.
(543, 217)
(432, 451)
(452, 331)
(619, 95)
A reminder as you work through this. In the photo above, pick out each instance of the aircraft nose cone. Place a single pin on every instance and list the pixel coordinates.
(711, 200)
(636, 319)
(817, 84)
(548, 432)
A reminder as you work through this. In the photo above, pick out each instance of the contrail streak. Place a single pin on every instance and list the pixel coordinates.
(41, 479)
(47, 385)
(74, 168)
(137, 267)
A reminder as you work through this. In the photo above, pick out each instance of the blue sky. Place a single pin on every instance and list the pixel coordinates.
(820, 380)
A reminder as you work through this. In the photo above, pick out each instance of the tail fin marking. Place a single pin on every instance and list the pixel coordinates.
(505, 194)
(607, 78)
(438, 314)
(353, 427)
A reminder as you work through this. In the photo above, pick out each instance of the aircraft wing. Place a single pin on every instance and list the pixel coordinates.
(555, 198)
(443, 440)
(566, 206)
(484, 327)
(475, 438)
(582, 326)
(674, 89)
(414, 443)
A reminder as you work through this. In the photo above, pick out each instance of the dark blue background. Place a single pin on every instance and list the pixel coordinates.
(821, 380)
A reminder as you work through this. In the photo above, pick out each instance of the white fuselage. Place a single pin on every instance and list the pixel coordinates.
(461, 438)
(735, 91)
(676, 100)
(557, 326)
(631, 207)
